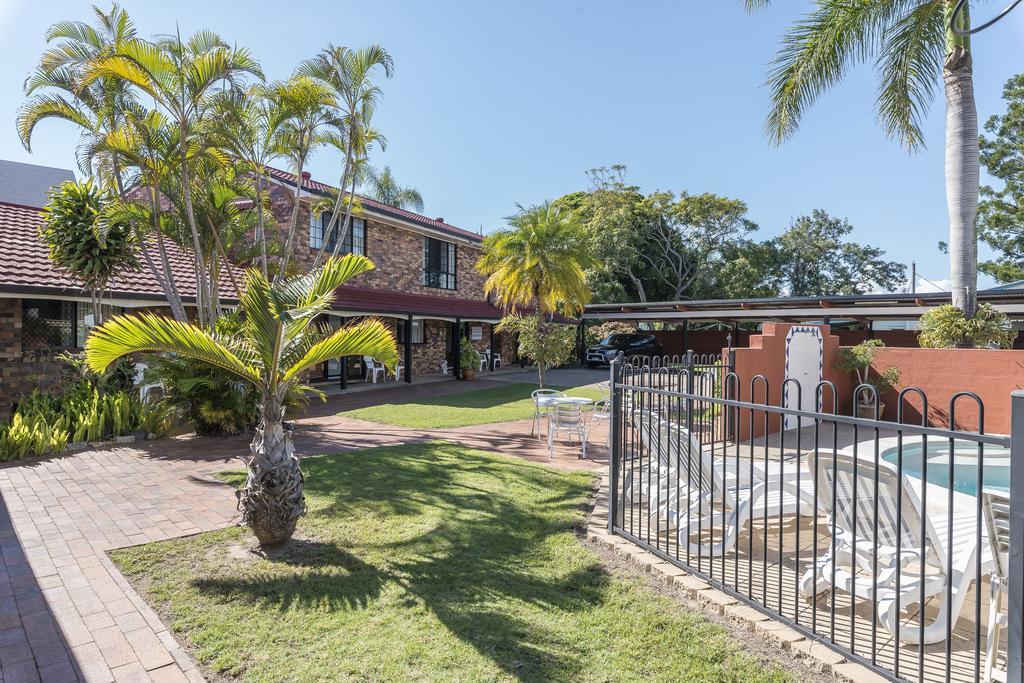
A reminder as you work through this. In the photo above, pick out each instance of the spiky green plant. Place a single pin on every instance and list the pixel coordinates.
(276, 344)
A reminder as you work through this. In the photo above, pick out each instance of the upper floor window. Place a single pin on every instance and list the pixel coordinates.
(439, 260)
(355, 239)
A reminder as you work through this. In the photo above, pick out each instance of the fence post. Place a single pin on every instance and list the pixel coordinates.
(1015, 608)
(614, 438)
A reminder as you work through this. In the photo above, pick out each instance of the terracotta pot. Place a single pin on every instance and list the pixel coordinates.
(867, 411)
(468, 373)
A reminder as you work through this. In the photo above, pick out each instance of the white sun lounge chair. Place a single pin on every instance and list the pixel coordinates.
(855, 571)
(997, 520)
(689, 490)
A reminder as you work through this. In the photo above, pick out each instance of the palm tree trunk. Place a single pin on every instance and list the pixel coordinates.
(347, 225)
(962, 169)
(261, 232)
(333, 225)
(272, 501)
(289, 243)
(174, 296)
(202, 296)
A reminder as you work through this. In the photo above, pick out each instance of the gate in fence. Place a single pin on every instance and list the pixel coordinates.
(890, 543)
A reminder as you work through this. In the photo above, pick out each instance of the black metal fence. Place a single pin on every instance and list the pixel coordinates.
(888, 542)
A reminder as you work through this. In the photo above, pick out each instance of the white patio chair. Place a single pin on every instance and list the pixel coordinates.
(497, 361)
(399, 369)
(855, 570)
(601, 413)
(996, 505)
(690, 490)
(540, 409)
(373, 368)
(146, 391)
(566, 418)
(603, 388)
(484, 360)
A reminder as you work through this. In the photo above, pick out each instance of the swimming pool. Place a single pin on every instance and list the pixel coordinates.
(996, 473)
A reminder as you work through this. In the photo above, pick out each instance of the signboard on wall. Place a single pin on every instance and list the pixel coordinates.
(476, 332)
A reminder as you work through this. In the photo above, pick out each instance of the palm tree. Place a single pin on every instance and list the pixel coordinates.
(384, 188)
(540, 261)
(179, 76)
(276, 345)
(56, 90)
(913, 44)
(310, 114)
(348, 73)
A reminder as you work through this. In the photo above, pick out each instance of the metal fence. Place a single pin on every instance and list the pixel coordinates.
(888, 542)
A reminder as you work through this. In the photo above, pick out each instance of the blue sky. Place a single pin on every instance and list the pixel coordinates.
(498, 103)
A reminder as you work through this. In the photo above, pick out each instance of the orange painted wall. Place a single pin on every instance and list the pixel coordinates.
(766, 355)
(990, 373)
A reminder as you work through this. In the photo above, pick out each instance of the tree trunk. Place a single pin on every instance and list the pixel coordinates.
(333, 225)
(173, 295)
(202, 300)
(347, 225)
(962, 170)
(272, 501)
(540, 333)
(289, 242)
(261, 231)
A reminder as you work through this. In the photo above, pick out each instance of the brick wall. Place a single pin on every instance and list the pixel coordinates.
(21, 373)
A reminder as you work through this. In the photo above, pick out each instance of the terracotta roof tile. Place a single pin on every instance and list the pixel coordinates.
(380, 301)
(25, 264)
(379, 207)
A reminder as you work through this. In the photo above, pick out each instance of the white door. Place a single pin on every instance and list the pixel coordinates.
(804, 357)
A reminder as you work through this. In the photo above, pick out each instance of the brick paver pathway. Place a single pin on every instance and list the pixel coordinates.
(67, 614)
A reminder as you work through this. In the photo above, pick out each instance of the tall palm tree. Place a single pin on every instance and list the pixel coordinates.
(349, 74)
(384, 188)
(56, 90)
(180, 75)
(539, 261)
(363, 139)
(276, 345)
(310, 115)
(914, 45)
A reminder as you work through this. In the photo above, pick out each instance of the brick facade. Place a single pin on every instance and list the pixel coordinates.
(22, 372)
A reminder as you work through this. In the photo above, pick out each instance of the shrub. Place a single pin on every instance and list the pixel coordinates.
(858, 359)
(595, 334)
(546, 343)
(469, 358)
(946, 327)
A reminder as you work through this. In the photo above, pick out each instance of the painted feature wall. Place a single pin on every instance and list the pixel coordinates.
(940, 373)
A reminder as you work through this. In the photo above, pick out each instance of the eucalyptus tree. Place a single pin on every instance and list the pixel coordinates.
(349, 73)
(180, 76)
(276, 344)
(56, 90)
(915, 45)
(311, 110)
(384, 188)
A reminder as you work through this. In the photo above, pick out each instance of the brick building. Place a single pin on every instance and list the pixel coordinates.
(425, 284)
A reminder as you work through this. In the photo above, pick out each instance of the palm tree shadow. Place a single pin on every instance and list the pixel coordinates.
(325, 575)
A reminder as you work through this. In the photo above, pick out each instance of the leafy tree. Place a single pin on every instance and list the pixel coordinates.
(548, 344)
(946, 327)
(274, 347)
(540, 262)
(748, 269)
(69, 231)
(1001, 212)
(915, 47)
(384, 188)
(815, 259)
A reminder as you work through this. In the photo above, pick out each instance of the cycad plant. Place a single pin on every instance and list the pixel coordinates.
(276, 345)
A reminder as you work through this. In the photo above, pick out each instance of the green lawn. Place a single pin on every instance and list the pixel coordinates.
(504, 403)
(428, 562)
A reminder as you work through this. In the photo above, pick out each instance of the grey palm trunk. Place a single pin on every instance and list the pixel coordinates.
(272, 501)
(962, 177)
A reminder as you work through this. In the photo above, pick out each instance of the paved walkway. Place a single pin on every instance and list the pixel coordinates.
(67, 614)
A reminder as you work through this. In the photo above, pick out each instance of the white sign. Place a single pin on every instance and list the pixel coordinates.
(476, 333)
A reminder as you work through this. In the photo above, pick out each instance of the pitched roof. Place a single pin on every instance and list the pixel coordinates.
(25, 265)
(373, 205)
(383, 302)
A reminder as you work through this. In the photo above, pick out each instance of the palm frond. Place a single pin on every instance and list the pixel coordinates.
(365, 338)
(148, 332)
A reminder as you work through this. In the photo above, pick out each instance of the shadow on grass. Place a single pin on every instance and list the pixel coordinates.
(486, 564)
(335, 579)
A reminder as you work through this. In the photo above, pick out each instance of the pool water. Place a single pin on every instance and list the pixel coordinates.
(996, 474)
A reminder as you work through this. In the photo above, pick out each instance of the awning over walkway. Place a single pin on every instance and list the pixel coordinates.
(858, 307)
(349, 300)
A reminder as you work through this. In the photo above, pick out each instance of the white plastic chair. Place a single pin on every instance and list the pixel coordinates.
(484, 360)
(145, 390)
(373, 368)
(566, 418)
(497, 361)
(996, 505)
(540, 408)
(399, 368)
(602, 414)
(855, 570)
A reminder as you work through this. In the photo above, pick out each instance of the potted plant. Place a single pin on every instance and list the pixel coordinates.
(857, 359)
(469, 359)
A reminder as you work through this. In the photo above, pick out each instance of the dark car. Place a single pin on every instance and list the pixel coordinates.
(635, 344)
